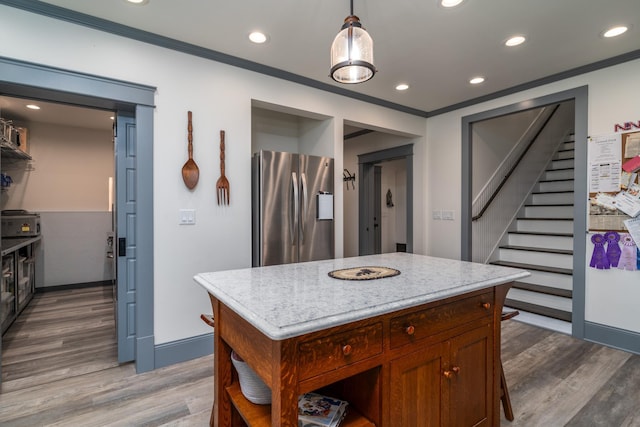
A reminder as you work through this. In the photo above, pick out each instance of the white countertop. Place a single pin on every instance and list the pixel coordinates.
(285, 301)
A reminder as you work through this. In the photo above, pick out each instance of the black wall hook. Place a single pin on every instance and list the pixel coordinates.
(348, 176)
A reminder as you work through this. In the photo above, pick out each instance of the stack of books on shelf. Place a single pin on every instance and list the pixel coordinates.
(316, 410)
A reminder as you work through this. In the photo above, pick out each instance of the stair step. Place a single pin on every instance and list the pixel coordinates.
(545, 225)
(548, 211)
(564, 154)
(568, 145)
(539, 309)
(534, 249)
(549, 290)
(525, 266)
(566, 173)
(537, 298)
(562, 164)
(533, 233)
(557, 180)
(551, 198)
(562, 282)
(537, 256)
(555, 185)
(541, 240)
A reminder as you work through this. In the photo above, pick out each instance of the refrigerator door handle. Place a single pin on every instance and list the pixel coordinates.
(293, 222)
(305, 205)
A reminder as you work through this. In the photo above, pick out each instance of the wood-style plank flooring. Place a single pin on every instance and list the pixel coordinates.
(60, 369)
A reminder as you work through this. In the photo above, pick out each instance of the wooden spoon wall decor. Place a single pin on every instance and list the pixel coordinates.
(190, 171)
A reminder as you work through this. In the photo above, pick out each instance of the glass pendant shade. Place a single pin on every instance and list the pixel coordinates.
(352, 53)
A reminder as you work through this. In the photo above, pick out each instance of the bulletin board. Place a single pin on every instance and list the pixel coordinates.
(614, 193)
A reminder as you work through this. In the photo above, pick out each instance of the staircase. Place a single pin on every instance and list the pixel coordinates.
(541, 240)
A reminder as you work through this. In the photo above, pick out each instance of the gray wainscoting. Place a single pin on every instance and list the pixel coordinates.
(74, 248)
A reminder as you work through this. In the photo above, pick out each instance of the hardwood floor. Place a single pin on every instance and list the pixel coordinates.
(60, 369)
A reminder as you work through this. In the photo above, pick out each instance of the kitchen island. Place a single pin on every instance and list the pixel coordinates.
(420, 346)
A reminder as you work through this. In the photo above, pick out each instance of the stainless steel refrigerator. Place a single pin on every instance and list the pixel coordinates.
(292, 208)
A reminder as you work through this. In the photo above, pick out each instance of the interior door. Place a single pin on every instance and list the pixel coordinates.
(366, 209)
(125, 152)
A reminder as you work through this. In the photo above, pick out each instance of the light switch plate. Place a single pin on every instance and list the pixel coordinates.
(187, 216)
(448, 215)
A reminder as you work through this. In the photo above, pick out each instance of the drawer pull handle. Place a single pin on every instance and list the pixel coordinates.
(486, 305)
(450, 373)
(410, 330)
(347, 350)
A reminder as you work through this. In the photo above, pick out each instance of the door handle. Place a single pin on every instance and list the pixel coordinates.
(293, 222)
(304, 206)
(122, 246)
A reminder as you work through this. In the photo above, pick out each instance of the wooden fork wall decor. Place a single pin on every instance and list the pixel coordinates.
(222, 185)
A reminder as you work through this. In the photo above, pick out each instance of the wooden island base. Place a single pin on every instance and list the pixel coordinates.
(436, 364)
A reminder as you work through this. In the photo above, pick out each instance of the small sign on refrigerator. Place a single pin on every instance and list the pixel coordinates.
(325, 206)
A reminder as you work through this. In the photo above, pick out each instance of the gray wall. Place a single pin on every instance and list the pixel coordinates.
(74, 248)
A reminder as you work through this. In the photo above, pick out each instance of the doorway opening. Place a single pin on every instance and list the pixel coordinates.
(384, 220)
(378, 192)
(66, 179)
(578, 98)
(33, 81)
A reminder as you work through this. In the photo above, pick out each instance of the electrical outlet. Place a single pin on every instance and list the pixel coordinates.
(436, 215)
(187, 216)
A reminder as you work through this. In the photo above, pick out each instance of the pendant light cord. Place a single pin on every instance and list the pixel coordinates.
(351, 1)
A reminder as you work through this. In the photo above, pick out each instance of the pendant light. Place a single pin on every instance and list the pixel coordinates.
(352, 52)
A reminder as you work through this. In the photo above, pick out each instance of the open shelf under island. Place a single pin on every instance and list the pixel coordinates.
(420, 346)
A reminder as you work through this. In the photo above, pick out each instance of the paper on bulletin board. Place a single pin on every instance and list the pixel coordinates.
(632, 149)
(605, 160)
(633, 227)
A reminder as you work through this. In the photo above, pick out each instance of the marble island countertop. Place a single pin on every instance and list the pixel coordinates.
(285, 301)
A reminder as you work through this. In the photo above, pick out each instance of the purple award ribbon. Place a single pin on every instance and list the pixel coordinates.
(599, 258)
(628, 258)
(613, 249)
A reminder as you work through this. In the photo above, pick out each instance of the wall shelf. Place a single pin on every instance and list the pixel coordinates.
(12, 151)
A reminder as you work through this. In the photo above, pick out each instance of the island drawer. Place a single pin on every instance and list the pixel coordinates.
(421, 324)
(334, 351)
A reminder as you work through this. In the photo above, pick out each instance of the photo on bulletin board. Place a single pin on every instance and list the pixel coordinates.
(614, 186)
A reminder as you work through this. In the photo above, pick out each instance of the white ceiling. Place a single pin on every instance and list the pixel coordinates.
(433, 49)
(15, 109)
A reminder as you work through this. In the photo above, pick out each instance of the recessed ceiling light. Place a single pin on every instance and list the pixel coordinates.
(33, 107)
(450, 3)
(476, 80)
(615, 31)
(258, 37)
(515, 41)
(138, 2)
(402, 86)
(112, 118)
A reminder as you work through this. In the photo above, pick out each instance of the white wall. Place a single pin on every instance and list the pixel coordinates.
(70, 170)
(493, 140)
(220, 97)
(611, 101)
